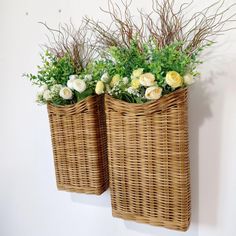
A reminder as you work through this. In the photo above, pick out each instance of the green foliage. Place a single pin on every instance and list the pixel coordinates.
(121, 61)
(54, 74)
(125, 60)
(53, 70)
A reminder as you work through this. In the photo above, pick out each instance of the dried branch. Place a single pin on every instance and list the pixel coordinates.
(76, 43)
(123, 28)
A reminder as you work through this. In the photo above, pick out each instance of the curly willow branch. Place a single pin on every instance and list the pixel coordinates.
(76, 43)
(165, 24)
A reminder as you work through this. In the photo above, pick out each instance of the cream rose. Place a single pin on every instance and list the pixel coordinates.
(137, 73)
(105, 78)
(135, 83)
(188, 79)
(147, 79)
(174, 79)
(153, 93)
(66, 93)
(99, 88)
(79, 85)
(115, 80)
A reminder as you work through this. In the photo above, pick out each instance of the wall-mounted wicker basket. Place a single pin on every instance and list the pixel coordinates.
(148, 160)
(79, 145)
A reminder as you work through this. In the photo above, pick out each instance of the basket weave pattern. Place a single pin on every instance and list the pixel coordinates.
(79, 142)
(148, 160)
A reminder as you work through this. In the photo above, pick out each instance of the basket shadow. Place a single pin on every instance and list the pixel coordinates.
(102, 200)
(205, 163)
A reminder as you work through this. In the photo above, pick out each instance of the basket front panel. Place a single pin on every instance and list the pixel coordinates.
(149, 166)
(79, 151)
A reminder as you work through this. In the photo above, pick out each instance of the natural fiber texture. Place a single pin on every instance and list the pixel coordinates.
(148, 160)
(79, 145)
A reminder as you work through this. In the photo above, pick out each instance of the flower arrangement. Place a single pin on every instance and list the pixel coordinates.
(68, 73)
(138, 62)
(139, 76)
(159, 54)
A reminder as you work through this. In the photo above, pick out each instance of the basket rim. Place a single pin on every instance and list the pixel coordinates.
(141, 105)
(74, 104)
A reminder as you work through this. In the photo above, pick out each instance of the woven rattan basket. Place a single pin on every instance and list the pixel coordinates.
(148, 160)
(79, 142)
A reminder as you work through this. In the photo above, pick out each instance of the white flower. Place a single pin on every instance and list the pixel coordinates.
(79, 85)
(39, 97)
(147, 79)
(43, 88)
(115, 80)
(153, 93)
(125, 80)
(70, 84)
(99, 88)
(71, 79)
(105, 78)
(55, 89)
(88, 77)
(131, 90)
(66, 93)
(136, 73)
(188, 79)
(47, 95)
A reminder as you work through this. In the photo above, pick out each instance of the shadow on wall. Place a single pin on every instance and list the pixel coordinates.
(92, 200)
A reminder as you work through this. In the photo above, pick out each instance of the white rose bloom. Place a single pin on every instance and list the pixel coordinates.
(188, 79)
(147, 79)
(66, 93)
(105, 78)
(125, 80)
(79, 85)
(73, 77)
(153, 93)
(70, 81)
(70, 84)
(88, 77)
(47, 95)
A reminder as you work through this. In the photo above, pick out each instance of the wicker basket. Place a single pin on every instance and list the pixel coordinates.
(148, 160)
(79, 145)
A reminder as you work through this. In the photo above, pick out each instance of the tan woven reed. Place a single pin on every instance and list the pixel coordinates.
(79, 145)
(148, 160)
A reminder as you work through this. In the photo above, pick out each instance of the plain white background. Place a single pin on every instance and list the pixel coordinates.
(30, 204)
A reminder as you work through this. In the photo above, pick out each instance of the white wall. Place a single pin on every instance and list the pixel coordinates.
(30, 205)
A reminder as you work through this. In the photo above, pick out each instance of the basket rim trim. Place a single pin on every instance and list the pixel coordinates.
(74, 104)
(178, 91)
